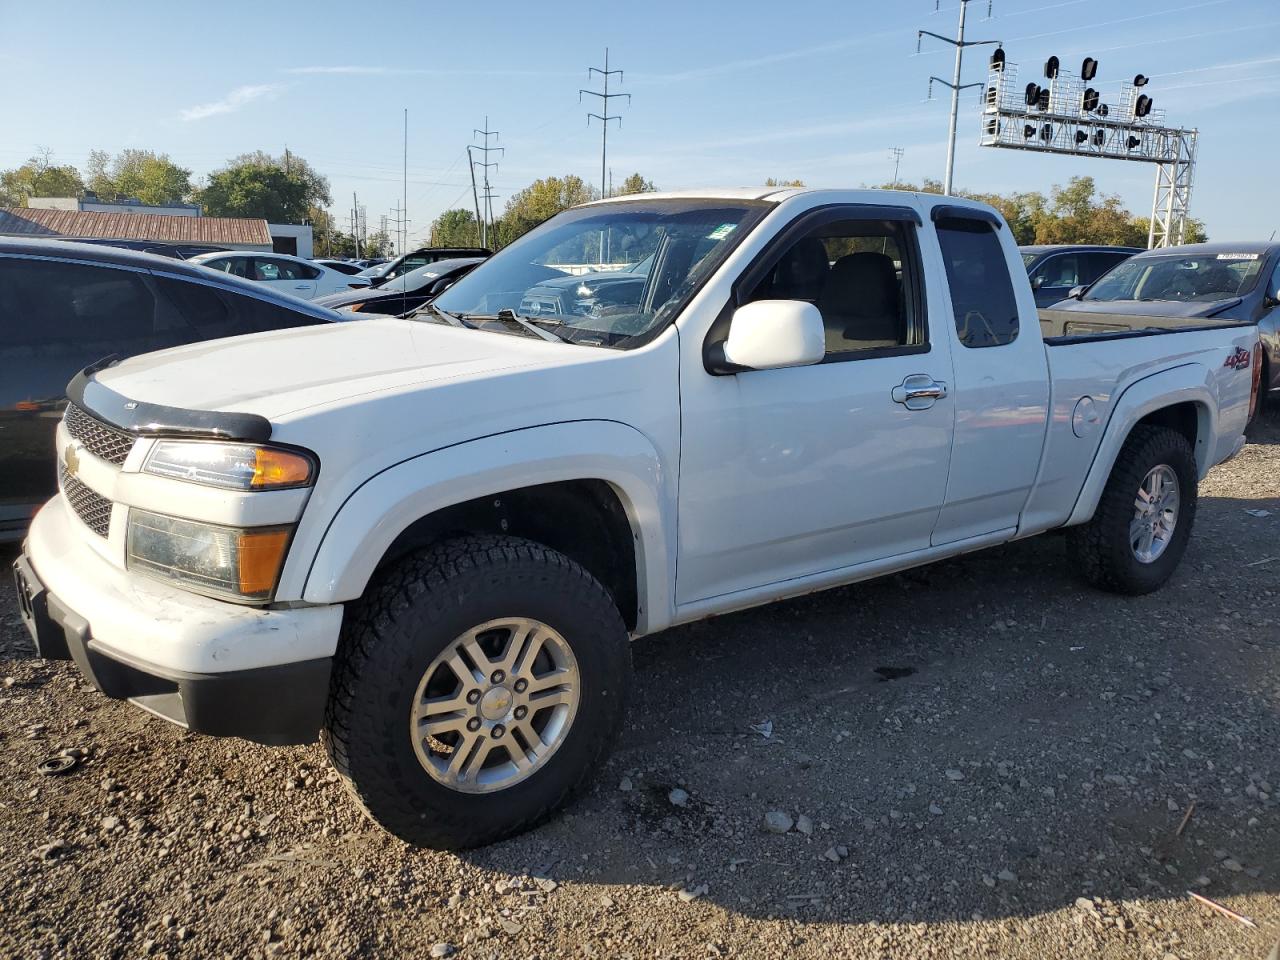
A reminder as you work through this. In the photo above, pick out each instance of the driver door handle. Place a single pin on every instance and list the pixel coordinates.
(919, 392)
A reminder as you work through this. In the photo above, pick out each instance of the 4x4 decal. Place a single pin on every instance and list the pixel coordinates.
(1238, 360)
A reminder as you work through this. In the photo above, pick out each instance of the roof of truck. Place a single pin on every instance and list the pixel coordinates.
(776, 194)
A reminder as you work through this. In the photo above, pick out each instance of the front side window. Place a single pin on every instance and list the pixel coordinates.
(1186, 279)
(572, 276)
(1062, 270)
(982, 298)
(858, 273)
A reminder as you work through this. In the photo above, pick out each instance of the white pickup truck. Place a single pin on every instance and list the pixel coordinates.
(429, 540)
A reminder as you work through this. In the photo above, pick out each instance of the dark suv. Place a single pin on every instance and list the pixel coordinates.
(66, 305)
(1054, 269)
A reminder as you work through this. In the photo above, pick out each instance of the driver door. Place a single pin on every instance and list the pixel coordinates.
(794, 472)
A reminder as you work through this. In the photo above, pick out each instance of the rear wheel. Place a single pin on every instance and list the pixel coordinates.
(1140, 529)
(475, 686)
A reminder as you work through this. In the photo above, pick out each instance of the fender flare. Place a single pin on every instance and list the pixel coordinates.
(381, 508)
(1191, 382)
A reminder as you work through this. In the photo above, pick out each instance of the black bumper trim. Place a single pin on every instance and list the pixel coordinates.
(277, 705)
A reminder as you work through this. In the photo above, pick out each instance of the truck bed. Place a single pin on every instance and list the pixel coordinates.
(1060, 327)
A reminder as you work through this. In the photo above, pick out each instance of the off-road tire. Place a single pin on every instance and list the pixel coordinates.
(1100, 549)
(409, 613)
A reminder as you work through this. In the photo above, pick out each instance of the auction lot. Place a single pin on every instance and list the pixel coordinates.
(981, 758)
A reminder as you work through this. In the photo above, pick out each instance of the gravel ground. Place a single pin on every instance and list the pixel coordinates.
(977, 759)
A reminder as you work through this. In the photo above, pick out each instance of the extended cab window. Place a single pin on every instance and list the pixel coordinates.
(982, 298)
(858, 274)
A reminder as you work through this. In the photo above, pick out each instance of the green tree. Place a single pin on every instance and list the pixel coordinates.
(38, 177)
(775, 182)
(279, 189)
(540, 201)
(635, 184)
(151, 177)
(455, 228)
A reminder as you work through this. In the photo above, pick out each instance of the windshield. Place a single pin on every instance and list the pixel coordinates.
(608, 274)
(1203, 278)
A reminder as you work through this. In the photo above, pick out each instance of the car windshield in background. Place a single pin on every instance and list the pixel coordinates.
(1029, 258)
(602, 275)
(1202, 278)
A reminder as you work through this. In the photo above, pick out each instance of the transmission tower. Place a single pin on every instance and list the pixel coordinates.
(956, 86)
(486, 223)
(401, 222)
(604, 118)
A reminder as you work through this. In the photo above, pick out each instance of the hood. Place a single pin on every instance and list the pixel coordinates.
(594, 281)
(277, 373)
(1147, 308)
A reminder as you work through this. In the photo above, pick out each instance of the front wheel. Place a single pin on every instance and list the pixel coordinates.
(475, 686)
(1140, 529)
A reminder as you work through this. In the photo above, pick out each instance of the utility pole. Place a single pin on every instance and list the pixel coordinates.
(896, 153)
(604, 118)
(402, 227)
(488, 194)
(956, 86)
(404, 186)
(355, 222)
(471, 162)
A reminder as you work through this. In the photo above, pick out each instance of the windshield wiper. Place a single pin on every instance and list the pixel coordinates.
(507, 315)
(448, 318)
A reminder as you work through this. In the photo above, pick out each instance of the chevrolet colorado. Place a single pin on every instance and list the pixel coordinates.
(429, 540)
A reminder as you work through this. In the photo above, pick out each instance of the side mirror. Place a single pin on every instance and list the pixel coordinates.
(1272, 299)
(1038, 282)
(770, 334)
(440, 286)
(1076, 292)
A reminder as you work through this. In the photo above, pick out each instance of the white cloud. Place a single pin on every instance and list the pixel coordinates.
(233, 101)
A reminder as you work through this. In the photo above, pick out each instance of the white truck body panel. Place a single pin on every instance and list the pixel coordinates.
(739, 489)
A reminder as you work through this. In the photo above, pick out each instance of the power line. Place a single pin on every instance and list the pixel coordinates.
(956, 86)
(604, 118)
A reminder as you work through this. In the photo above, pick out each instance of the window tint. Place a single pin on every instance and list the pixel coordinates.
(264, 269)
(858, 273)
(1096, 264)
(200, 312)
(56, 318)
(236, 266)
(986, 311)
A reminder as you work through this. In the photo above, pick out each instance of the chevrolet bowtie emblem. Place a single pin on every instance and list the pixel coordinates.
(71, 459)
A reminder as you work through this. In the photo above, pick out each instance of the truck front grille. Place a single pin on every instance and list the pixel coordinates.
(93, 509)
(103, 441)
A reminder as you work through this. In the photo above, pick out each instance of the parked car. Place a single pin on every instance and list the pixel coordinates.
(1197, 281)
(390, 269)
(1054, 269)
(178, 251)
(439, 534)
(66, 305)
(407, 292)
(292, 275)
(349, 267)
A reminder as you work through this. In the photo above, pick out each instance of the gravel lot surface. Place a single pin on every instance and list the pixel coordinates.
(982, 758)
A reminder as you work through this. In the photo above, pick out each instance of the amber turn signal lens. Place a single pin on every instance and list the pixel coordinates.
(279, 468)
(261, 554)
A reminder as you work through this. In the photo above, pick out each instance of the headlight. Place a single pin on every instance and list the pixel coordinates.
(235, 466)
(231, 562)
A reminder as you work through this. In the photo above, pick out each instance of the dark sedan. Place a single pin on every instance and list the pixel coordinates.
(404, 293)
(1054, 269)
(65, 305)
(1227, 281)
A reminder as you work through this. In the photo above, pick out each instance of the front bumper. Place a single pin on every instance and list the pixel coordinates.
(210, 666)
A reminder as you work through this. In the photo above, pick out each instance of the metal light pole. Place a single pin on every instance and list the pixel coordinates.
(956, 86)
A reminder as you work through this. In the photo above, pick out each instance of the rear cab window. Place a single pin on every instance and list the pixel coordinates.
(982, 297)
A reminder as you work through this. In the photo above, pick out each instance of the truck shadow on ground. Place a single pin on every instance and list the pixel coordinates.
(986, 736)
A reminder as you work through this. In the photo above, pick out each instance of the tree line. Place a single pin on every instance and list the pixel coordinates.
(287, 189)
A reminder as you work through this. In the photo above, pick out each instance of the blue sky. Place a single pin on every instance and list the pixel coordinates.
(724, 91)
